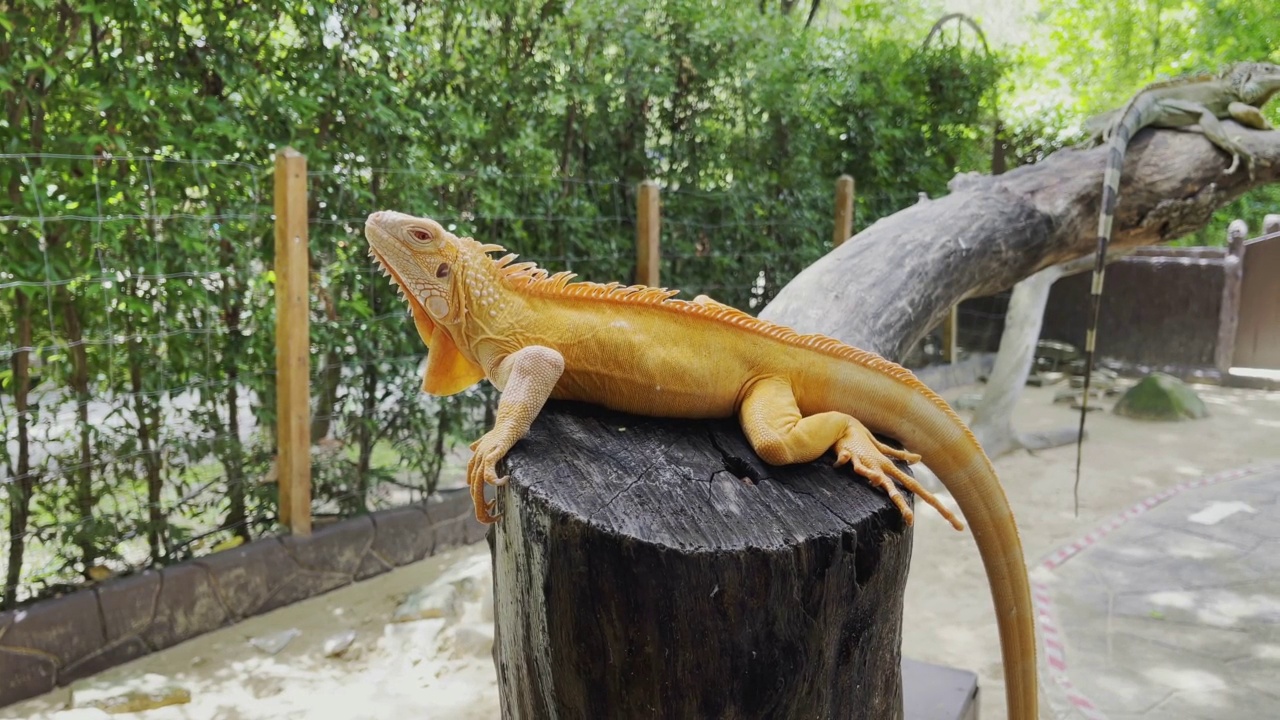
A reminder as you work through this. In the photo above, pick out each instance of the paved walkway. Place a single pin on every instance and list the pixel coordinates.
(1172, 610)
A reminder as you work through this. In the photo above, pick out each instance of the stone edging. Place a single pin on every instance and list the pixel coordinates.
(57, 641)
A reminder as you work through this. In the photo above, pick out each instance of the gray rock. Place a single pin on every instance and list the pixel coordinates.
(81, 714)
(337, 644)
(1042, 379)
(473, 641)
(275, 642)
(1103, 379)
(1054, 355)
(437, 600)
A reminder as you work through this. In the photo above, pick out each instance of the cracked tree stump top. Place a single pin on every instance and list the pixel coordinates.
(657, 568)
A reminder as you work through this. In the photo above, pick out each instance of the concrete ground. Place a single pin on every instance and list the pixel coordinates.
(949, 619)
(1171, 613)
(1176, 611)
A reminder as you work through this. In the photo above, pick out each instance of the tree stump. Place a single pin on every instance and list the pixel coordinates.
(657, 568)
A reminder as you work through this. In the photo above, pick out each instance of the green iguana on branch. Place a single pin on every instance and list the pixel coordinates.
(1237, 92)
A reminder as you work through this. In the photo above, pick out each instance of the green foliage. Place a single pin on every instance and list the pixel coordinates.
(139, 246)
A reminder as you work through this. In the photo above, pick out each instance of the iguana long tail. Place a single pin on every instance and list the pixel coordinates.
(915, 415)
(1131, 118)
(1119, 143)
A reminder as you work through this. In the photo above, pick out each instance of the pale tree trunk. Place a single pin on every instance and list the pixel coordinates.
(992, 421)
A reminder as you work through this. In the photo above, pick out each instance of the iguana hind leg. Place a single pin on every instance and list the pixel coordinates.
(526, 378)
(780, 435)
(1248, 115)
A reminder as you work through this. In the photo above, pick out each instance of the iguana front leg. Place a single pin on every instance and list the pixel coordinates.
(780, 435)
(1214, 130)
(1249, 116)
(525, 378)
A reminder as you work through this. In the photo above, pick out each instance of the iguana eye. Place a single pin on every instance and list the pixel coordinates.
(421, 235)
(443, 270)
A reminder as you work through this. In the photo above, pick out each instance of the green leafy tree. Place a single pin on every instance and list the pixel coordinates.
(140, 139)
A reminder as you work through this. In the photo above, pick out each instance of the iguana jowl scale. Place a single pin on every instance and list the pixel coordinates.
(636, 349)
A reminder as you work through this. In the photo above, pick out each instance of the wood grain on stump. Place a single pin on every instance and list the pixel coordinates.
(658, 569)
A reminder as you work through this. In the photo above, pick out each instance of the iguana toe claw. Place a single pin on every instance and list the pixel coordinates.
(482, 470)
(873, 460)
(878, 479)
(905, 456)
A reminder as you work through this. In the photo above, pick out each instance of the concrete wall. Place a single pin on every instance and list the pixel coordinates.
(1159, 310)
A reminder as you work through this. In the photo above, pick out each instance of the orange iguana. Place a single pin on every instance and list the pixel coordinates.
(634, 349)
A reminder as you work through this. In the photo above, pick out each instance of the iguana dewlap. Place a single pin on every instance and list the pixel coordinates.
(636, 349)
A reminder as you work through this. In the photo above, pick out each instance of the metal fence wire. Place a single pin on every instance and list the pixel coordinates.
(137, 370)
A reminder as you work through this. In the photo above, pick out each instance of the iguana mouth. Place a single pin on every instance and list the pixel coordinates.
(396, 281)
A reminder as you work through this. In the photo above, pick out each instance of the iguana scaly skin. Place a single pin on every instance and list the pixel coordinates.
(637, 350)
(1237, 92)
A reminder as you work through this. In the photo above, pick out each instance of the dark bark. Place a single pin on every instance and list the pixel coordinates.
(146, 412)
(82, 492)
(650, 568)
(895, 280)
(330, 375)
(233, 452)
(23, 484)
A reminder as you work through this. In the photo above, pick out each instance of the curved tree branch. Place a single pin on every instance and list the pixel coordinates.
(888, 285)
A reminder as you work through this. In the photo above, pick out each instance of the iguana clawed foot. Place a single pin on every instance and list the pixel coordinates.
(873, 460)
(1251, 162)
(482, 470)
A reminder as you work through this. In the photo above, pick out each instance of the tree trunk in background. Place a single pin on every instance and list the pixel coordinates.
(232, 454)
(330, 377)
(84, 499)
(146, 413)
(992, 422)
(23, 484)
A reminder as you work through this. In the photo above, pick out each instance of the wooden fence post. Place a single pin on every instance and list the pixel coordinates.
(648, 227)
(844, 210)
(293, 342)
(1229, 312)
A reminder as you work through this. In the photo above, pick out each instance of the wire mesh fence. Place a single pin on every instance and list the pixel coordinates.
(129, 402)
(138, 377)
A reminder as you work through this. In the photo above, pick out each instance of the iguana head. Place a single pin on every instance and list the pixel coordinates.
(425, 262)
(420, 256)
(1254, 83)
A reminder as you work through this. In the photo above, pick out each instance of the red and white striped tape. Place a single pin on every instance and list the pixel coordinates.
(1052, 642)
